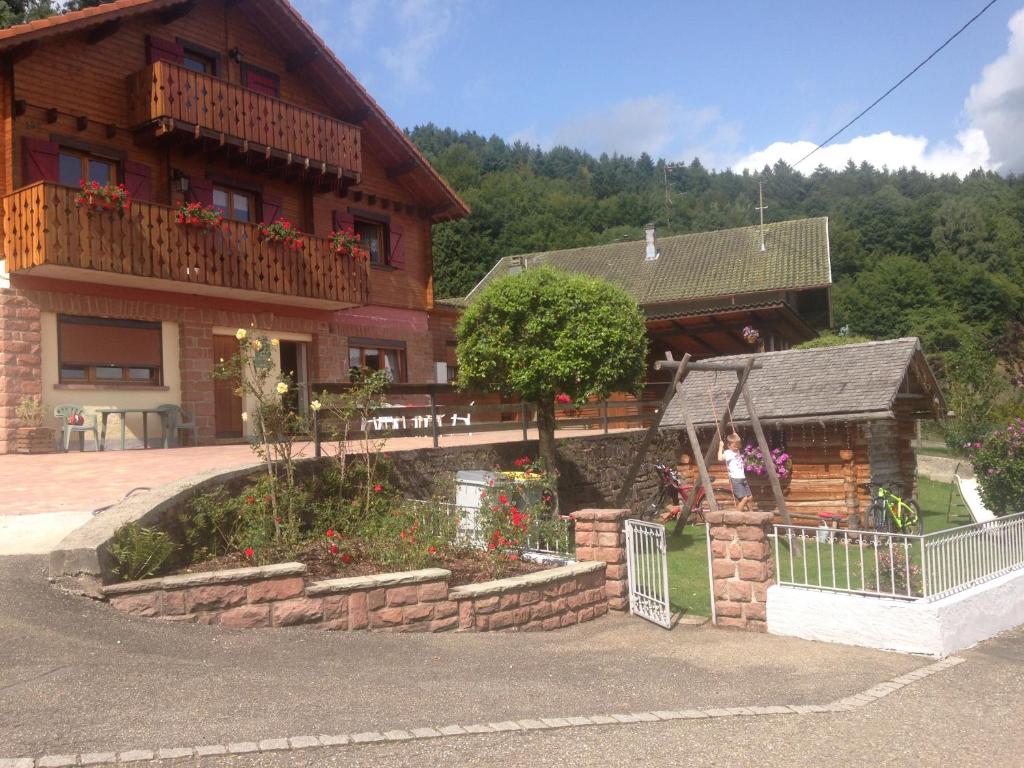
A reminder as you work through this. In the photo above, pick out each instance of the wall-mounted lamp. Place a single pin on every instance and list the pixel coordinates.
(181, 181)
(235, 54)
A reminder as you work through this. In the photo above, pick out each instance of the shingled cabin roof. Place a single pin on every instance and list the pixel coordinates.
(700, 265)
(855, 382)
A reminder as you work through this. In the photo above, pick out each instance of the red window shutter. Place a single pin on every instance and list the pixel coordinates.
(201, 191)
(271, 209)
(260, 81)
(137, 181)
(161, 49)
(397, 241)
(40, 160)
(342, 219)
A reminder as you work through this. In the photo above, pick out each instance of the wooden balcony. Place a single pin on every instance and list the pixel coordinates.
(173, 99)
(45, 233)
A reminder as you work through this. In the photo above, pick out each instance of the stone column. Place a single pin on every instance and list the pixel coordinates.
(600, 536)
(20, 360)
(197, 386)
(741, 567)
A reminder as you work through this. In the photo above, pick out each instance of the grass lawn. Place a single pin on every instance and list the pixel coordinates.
(688, 559)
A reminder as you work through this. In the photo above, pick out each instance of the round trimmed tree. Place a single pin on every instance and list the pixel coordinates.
(542, 334)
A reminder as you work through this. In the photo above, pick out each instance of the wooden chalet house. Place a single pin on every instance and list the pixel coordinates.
(235, 104)
(700, 291)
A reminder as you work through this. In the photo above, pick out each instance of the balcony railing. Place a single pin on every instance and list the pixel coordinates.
(178, 98)
(43, 227)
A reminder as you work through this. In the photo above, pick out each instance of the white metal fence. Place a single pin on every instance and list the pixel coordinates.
(898, 565)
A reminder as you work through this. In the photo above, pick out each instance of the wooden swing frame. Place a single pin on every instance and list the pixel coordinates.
(681, 368)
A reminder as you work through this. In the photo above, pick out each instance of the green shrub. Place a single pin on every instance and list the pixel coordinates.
(140, 552)
(999, 465)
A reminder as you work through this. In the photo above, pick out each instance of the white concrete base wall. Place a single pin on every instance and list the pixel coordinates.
(933, 629)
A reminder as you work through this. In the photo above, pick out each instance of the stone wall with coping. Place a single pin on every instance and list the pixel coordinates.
(409, 601)
(600, 535)
(20, 360)
(741, 568)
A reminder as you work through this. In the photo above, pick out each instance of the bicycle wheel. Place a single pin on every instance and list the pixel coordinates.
(878, 517)
(652, 507)
(913, 520)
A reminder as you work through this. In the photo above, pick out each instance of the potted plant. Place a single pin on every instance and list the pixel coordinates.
(345, 242)
(32, 436)
(94, 196)
(199, 216)
(282, 231)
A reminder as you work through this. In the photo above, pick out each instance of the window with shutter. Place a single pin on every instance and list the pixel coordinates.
(200, 191)
(235, 204)
(261, 80)
(137, 181)
(115, 352)
(161, 49)
(41, 161)
(271, 209)
(396, 237)
(75, 166)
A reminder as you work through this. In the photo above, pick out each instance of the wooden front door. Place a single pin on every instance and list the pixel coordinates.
(227, 404)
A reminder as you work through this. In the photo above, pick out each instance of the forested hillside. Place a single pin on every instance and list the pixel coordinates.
(912, 254)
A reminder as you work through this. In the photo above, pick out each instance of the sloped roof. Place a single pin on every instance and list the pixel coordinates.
(851, 382)
(700, 265)
(279, 14)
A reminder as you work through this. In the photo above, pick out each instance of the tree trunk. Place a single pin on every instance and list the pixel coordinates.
(546, 433)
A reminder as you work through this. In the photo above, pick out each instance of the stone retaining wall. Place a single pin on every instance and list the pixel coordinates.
(409, 601)
(741, 568)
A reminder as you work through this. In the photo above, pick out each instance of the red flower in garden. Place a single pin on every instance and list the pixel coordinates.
(250, 499)
(402, 534)
(503, 499)
(563, 398)
(492, 545)
(334, 549)
(432, 550)
(249, 552)
(378, 488)
(513, 557)
(346, 558)
(330, 533)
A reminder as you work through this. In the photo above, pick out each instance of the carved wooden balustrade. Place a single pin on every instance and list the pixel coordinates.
(42, 226)
(176, 98)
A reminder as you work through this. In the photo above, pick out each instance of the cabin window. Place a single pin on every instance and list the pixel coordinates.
(261, 80)
(373, 237)
(93, 350)
(378, 355)
(75, 166)
(199, 62)
(236, 204)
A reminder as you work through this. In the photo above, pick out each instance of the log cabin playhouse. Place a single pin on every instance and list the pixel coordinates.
(236, 104)
(846, 415)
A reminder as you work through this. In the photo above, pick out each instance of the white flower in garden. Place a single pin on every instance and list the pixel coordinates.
(245, 416)
(281, 387)
(258, 345)
(240, 334)
(316, 405)
(275, 342)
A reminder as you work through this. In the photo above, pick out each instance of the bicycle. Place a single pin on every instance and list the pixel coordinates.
(672, 493)
(892, 513)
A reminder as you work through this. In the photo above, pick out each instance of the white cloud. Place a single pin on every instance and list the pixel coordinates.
(886, 149)
(996, 102)
(657, 125)
(420, 26)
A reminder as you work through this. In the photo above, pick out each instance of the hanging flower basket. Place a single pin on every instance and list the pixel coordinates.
(199, 216)
(751, 334)
(755, 464)
(281, 231)
(94, 196)
(345, 242)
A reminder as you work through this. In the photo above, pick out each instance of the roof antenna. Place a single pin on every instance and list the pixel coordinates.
(760, 208)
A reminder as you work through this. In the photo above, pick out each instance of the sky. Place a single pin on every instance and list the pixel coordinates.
(737, 84)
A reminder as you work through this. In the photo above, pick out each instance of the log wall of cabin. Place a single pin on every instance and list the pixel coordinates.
(830, 464)
(91, 80)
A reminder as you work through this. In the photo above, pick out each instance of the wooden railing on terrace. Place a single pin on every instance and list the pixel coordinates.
(166, 91)
(42, 225)
(436, 410)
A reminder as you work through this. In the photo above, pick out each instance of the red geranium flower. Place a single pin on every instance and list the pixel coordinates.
(346, 558)
(432, 550)
(503, 499)
(250, 499)
(563, 398)
(334, 549)
(378, 488)
(249, 552)
(330, 532)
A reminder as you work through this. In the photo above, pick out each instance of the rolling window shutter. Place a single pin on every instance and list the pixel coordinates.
(103, 344)
(397, 242)
(201, 191)
(161, 49)
(271, 209)
(41, 160)
(137, 181)
(342, 219)
(266, 83)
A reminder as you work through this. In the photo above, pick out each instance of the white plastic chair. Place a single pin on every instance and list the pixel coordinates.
(467, 419)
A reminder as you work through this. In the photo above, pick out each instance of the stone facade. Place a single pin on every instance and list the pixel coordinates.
(600, 536)
(20, 375)
(410, 601)
(741, 568)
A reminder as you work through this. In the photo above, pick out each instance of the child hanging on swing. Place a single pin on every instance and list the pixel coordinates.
(729, 452)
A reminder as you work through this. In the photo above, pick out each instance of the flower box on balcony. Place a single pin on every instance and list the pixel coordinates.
(94, 196)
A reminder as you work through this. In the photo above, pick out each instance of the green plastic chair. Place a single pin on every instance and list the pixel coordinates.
(176, 420)
(63, 413)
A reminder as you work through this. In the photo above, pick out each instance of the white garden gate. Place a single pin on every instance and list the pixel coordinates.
(647, 566)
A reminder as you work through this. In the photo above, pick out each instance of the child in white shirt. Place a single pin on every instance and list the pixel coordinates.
(729, 452)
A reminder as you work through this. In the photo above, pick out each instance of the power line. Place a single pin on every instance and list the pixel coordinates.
(906, 77)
